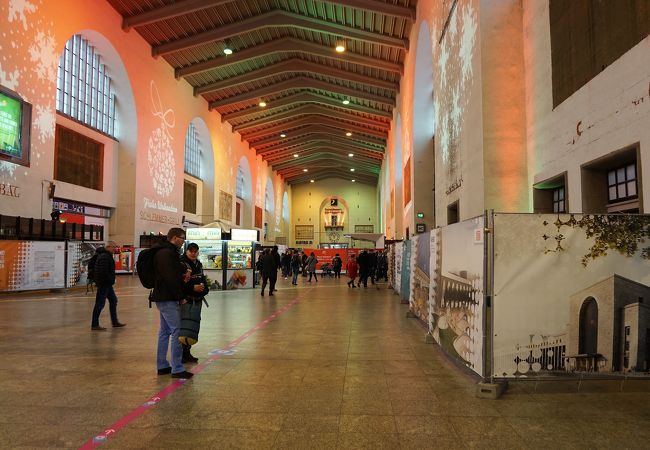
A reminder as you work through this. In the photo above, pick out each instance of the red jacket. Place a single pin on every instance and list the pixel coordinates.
(352, 268)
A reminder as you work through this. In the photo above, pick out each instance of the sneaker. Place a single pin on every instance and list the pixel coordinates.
(119, 325)
(98, 328)
(184, 374)
(165, 371)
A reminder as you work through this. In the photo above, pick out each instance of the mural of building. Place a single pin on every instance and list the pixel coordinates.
(609, 327)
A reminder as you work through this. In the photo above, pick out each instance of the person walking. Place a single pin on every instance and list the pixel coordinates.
(104, 276)
(304, 259)
(311, 266)
(337, 264)
(352, 269)
(273, 277)
(382, 266)
(267, 264)
(295, 267)
(196, 288)
(372, 265)
(363, 262)
(286, 264)
(168, 295)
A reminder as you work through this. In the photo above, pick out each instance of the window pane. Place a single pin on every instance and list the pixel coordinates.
(611, 178)
(621, 191)
(631, 188)
(631, 172)
(620, 174)
(561, 206)
(612, 193)
(556, 195)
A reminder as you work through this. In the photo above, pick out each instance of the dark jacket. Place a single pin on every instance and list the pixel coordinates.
(269, 264)
(197, 279)
(337, 263)
(104, 268)
(295, 262)
(169, 272)
(276, 261)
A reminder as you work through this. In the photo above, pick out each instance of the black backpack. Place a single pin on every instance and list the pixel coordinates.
(91, 267)
(145, 267)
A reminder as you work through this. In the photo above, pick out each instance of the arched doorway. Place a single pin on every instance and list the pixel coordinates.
(422, 159)
(334, 214)
(588, 327)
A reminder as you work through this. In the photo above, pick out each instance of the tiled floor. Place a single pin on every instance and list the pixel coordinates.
(339, 369)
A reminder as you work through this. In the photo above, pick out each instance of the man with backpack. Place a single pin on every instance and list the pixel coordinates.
(101, 269)
(168, 294)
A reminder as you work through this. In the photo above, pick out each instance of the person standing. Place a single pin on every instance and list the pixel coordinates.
(372, 265)
(352, 269)
(195, 288)
(286, 264)
(304, 259)
(382, 266)
(295, 267)
(273, 278)
(337, 264)
(311, 266)
(363, 262)
(104, 276)
(168, 295)
(266, 267)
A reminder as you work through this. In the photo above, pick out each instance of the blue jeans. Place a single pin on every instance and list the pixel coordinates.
(103, 293)
(294, 280)
(170, 325)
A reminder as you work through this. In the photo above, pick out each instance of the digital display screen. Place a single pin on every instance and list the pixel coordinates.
(10, 126)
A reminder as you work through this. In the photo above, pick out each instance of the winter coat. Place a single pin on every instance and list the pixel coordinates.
(168, 286)
(197, 278)
(311, 264)
(337, 263)
(352, 269)
(269, 264)
(295, 262)
(104, 268)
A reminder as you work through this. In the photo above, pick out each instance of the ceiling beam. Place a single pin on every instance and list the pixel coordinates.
(189, 6)
(319, 155)
(292, 45)
(302, 82)
(311, 109)
(296, 65)
(310, 146)
(322, 174)
(278, 18)
(303, 97)
(312, 120)
(310, 133)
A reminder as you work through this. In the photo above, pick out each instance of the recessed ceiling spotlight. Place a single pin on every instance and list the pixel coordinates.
(295, 155)
(348, 134)
(282, 135)
(352, 170)
(305, 170)
(350, 155)
(227, 50)
(262, 104)
(346, 102)
(311, 181)
(340, 46)
(354, 181)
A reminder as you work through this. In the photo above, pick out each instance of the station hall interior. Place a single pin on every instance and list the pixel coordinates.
(491, 152)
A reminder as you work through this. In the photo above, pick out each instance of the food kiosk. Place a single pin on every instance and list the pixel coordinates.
(240, 257)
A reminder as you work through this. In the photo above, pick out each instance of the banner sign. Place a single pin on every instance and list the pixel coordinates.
(29, 265)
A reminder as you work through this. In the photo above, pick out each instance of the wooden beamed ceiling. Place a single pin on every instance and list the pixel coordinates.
(283, 54)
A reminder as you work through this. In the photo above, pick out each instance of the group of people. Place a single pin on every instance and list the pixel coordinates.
(179, 291)
(290, 263)
(369, 265)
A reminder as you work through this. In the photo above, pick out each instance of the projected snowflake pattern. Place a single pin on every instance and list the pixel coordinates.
(43, 54)
(44, 122)
(18, 10)
(160, 156)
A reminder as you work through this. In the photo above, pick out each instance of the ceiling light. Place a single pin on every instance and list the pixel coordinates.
(352, 170)
(350, 155)
(227, 50)
(282, 135)
(346, 102)
(304, 170)
(311, 181)
(340, 46)
(348, 134)
(354, 181)
(262, 104)
(295, 155)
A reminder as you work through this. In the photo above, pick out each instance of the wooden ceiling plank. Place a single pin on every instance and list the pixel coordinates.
(312, 120)
(285, 45)
(322, 131)
(169, 11)
(403, 12)
(302, 83)
(277, 18)
(304, 97)
(296, 65)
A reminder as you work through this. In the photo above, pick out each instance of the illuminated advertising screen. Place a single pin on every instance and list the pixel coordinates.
(10, 124)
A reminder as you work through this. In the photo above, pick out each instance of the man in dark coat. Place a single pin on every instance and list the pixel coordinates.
(273, 278)
(267, 262)
(195, 288)
(372, 265)
(104, 277)
(364, 267)
(168, 295)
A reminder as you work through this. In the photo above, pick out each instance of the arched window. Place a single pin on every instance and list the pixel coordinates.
(192, 152)
(84, 90)
(588, 338)
(268, 197)
(241, 183)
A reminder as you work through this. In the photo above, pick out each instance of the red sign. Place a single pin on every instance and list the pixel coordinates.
(326, 255)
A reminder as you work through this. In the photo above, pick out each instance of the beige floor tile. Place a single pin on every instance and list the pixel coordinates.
(364, 441)
(367, 424)
(305, 440)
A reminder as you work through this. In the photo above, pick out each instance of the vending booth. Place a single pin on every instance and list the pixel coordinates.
(240, 254)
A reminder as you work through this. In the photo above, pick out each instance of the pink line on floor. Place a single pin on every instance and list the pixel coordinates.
(152, 401)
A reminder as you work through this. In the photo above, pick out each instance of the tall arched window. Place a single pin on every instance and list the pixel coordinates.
(84, 90)
(192, 152)
(241, 183)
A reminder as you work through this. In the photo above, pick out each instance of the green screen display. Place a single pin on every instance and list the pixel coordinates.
(10, 117)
